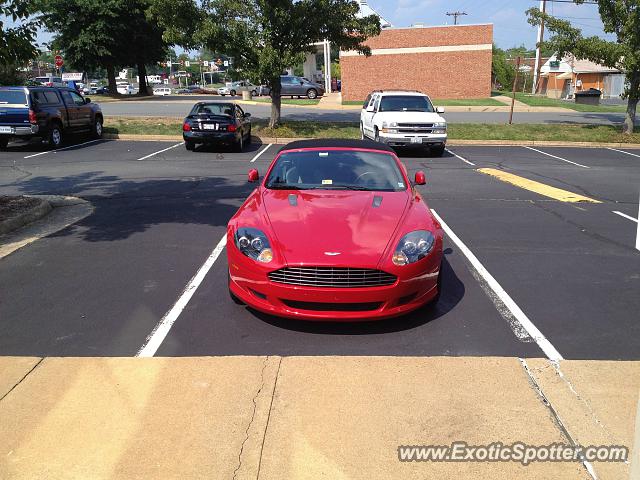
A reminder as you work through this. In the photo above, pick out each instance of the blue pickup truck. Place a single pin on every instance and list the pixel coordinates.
(48, 113)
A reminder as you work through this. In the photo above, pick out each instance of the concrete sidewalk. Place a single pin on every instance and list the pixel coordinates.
(303, 417)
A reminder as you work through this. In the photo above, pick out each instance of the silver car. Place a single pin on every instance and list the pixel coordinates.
(234, 88)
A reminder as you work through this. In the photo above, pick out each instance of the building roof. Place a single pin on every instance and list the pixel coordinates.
(366, 10)
(569, 63)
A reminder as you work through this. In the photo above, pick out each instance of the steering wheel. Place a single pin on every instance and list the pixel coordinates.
(362, 175)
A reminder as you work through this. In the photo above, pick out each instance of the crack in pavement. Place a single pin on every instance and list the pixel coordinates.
(22, 379)
(555, 417)
(273, 393)
(253, 414)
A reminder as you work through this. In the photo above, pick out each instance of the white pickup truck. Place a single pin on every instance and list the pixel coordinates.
(404, 119)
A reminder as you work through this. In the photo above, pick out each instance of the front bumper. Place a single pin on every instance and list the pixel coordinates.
(200, 136)
(21, 131)
(249, 282)
(414, 140)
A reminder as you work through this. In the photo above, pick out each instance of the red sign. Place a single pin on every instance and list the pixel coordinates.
(59, 61)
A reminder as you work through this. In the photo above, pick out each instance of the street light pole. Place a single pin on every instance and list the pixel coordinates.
(536, 69)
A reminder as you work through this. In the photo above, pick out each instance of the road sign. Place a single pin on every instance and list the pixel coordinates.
(59, 61)
(187, 63)
(205, 63)
(226, 63)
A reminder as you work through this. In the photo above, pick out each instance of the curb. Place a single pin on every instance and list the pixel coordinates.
(31, 215)
(46, 204)
(453, 142)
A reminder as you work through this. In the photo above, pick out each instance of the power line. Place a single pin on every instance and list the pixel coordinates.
(455, 16)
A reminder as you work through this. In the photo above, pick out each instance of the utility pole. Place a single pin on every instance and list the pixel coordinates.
(536, 68)
(455, 16)
(515, 82)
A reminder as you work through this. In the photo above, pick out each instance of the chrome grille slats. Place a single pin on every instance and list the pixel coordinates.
(338, 277)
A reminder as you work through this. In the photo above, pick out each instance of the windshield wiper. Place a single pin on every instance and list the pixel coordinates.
(285, 186)
(347, 187)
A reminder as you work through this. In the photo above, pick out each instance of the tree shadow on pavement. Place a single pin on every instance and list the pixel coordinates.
(125, 207)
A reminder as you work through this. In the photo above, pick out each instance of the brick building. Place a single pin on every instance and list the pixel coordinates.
(443, 62)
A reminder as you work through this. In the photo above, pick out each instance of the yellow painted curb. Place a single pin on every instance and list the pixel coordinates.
(537, 187)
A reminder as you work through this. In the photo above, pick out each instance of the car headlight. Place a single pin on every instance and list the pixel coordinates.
(254, 244)
(440, 127)
(392, 124)
(412, 247)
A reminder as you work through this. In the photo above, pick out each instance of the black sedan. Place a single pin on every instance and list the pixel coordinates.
(217, 123)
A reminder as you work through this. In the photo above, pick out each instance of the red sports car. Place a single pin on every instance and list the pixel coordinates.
(335, 231)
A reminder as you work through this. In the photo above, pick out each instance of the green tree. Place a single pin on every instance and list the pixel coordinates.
(89, 33)
(503, 72)
(104, 33)
(619, 17)
(265, 37)
(16, 42)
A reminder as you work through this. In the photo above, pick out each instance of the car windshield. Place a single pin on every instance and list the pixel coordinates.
(336, 170)
(213, 109)
(405, 103)
(13, 97)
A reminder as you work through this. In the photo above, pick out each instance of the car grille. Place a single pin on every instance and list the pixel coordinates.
(333, 307)
(415, 127)
(339, 277)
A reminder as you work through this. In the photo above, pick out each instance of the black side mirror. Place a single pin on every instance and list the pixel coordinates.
(87, 100)
(247, 115)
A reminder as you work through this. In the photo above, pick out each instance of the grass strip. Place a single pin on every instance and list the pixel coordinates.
(457, 131)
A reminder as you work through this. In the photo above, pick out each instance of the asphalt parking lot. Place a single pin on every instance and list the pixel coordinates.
(100, 287)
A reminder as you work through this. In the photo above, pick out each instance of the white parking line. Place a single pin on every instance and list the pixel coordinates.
(629, 217)
(556, 157)
(622, 151)
(544, 344)
(261, 152)
(160, 151)
(638, 230)
(159, 333)
(458, 156)
(65, 148)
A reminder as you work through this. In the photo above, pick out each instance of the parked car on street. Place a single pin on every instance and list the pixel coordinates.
(101, 90)
(50, 81)
(300, 87)
(403, 119)
(163, 91)
(49, 113)
(125, 88)
(217, 123)
(335, 232)
(235, 88)
(263, 90)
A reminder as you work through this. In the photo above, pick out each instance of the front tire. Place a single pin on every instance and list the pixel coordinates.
(232, 93)
(55, 136)
(3, 143)
(239, 145)
(438, 151)
(97, 128)
(312, 94)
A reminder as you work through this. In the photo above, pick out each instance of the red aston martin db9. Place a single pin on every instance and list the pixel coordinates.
(335, 231)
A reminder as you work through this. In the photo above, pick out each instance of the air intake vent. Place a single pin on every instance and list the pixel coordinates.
(337, 277)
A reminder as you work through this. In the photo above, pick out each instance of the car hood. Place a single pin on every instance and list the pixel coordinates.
(334, 227)
(411, 117)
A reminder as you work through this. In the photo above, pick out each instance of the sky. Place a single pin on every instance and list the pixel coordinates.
(510, 24)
